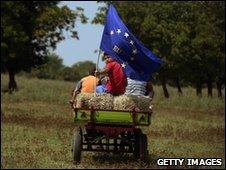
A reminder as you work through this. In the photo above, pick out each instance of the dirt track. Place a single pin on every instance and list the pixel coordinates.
(46, 121)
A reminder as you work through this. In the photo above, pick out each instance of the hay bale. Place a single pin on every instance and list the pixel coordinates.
(83, 100)
(130, 102)
(102, 101)
(97, 101)
(123, 102)
(106, 101)
(142, 103)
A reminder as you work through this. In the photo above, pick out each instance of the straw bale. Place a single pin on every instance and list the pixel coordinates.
(106, 101)
(83, 100)
(102, 101)
(97, 101)
(130, 102)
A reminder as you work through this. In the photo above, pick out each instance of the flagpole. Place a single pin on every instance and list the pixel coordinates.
(98, 60)
(97, 63)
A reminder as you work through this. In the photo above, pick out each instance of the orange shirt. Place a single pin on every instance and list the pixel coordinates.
(88, 84)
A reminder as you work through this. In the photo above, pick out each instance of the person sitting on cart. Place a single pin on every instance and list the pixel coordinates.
(101, 88)
(86, 85)
(139, 88)
(117, 79)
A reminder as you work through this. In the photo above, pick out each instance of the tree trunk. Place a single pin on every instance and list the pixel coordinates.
(219, 92)
(209, 87)
(12, 83)
(199, 89)
(166, 93)
(177, 82)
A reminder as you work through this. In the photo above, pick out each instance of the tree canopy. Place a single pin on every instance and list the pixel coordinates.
(29, 29)
(55, 69)
(187, 36)
(52, 69)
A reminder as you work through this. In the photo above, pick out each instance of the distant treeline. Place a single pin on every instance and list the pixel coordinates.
(189, 36)
(54, 69)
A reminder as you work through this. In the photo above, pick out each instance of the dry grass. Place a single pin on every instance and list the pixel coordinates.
(37, 129)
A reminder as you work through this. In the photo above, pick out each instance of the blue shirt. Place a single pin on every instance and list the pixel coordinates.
(101, 89)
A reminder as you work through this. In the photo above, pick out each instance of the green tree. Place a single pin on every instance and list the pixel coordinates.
(157, 25)
(29, 29)
(82, 68)
(216, 47)
(51, 69)
(205, 58)
(69, 74)
(188, 36)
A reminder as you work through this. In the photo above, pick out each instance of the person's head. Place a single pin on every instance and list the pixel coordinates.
(104, 80)
(92, 71)
(107, 58)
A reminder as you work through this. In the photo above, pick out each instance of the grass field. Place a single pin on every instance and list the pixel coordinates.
(37, 128)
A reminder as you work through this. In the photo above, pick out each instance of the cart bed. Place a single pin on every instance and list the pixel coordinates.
(83, 115)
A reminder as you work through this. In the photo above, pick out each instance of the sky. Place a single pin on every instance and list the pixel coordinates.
(72, 50)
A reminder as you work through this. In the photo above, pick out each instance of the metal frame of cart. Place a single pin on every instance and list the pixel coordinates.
(110, 131)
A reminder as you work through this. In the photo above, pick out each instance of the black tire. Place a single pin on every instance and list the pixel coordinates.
(140, 147)
(77, 146)
(136, 152)
(143, 152)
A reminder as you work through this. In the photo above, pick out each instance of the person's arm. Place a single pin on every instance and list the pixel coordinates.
(151, 94)
(77, 90)
(102, 72)
(79, 86)
(150, 90)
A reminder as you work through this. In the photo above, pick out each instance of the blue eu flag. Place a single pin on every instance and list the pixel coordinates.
(137, 61)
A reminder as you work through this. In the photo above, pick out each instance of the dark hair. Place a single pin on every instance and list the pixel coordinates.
(92, 71)
(105, 53)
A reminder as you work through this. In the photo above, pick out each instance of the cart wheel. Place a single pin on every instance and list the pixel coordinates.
(136, 151)
(77, 146)
(143, 147)
(140, 147)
